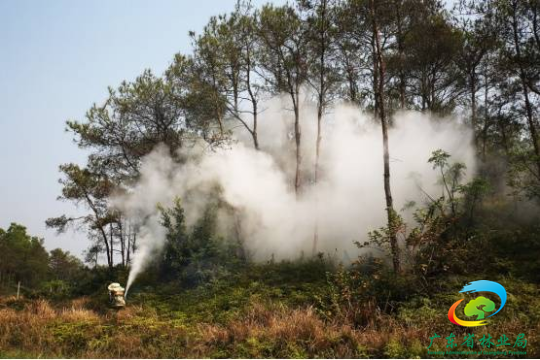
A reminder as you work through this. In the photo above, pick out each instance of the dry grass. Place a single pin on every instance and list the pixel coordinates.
(75, 330)
(289, 330)
(263, 330)
(42, 330)
(74, 314)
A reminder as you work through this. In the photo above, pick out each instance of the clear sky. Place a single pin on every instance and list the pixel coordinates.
(57, 57)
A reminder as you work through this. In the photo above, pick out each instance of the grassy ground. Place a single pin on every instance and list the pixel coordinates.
(268, 311)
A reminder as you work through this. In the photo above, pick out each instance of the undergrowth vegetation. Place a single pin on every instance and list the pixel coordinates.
(271, 310)
(204, 297)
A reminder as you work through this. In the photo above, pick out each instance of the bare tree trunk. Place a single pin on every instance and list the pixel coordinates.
(298, 139)
(101, 230)
(253, 99)
(506, 147)
(423, 91)
(235, 89)
(319, 140)
(317, 156)
(107, 247)
(322, 87)
(350, 76)
(473, 107)
(134, 244)
(128, 251)
(293, 86)
(391, 214)
(486, 115)
(122, 242)
(112, 244)
(217, 103)
(402, 80)
(352, 85)
(375, 77)
(321, 102)
(255, 135)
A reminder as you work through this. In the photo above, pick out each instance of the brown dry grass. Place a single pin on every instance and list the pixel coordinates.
(263, 330)
(76, 331)
(289, 330)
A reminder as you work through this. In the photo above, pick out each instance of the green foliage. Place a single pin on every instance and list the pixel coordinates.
(176, 254)
(115, 128)
(64, 266)
(522, 175)
(90, 186)
(380, 239)
(282, 33)
(290, 283)
(196, 255)
(264, 310)
(439, 159)
(442, 240)
(364, 292)
(22, 258)
(451, 175)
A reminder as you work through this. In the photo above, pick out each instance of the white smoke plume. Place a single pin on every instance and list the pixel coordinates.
(347, 202)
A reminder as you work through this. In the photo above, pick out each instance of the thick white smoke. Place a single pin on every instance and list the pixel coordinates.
(347, 202)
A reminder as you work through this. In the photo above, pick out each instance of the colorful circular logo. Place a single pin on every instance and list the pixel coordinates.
(479, 306)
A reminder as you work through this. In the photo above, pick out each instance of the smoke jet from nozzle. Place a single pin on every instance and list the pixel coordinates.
(147, 246)
(140, 205)
(348, 199)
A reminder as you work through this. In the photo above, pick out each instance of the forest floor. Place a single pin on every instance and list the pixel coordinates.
(270, 311)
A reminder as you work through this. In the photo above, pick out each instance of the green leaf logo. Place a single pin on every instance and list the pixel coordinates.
(478, 307)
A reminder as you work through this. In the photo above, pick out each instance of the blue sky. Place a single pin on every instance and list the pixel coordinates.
(57, 57)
